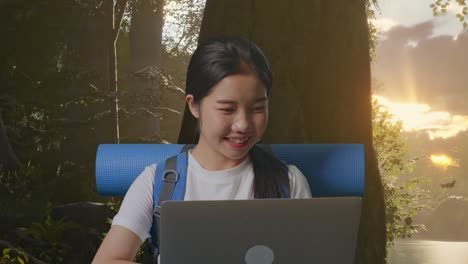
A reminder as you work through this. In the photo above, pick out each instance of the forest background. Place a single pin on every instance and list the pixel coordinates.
(76, 74)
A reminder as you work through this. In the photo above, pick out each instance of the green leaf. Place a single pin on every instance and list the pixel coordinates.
(20, 260)
(6, 251)
(465, 25)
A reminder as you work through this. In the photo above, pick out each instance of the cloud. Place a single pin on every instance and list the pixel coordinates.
(433, 70)
(454, 8)
(383, 24)
(421, 117)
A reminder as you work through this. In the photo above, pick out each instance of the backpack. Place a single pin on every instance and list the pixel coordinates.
(169, 184)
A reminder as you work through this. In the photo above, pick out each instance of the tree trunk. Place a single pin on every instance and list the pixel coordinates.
(113, 23)
(319, 53)
(145, 36)
(8, 159)
(146, 33)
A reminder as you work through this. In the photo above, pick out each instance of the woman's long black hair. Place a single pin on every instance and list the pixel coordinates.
(225, 56)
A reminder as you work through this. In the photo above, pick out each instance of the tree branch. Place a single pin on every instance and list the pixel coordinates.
(121, 4)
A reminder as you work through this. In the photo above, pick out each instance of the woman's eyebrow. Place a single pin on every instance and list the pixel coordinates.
(225, 102)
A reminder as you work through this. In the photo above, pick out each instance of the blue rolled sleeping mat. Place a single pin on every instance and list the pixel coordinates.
(333, 170)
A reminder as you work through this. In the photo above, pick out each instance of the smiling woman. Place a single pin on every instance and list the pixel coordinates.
(228, 83)
(237, 112)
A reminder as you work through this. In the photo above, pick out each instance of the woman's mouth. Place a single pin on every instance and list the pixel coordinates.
(237, 142)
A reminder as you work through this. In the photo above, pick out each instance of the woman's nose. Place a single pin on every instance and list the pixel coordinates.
(242, 123)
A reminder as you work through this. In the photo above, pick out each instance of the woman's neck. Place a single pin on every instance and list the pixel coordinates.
(213, 161)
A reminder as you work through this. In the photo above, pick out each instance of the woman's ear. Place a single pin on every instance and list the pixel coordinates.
(194, 108)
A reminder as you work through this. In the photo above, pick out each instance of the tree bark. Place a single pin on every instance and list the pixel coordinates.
(145, 36)
(319, 53)
(8, 159)
(146, 33)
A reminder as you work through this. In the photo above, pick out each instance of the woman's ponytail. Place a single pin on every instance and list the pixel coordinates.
(271, 178)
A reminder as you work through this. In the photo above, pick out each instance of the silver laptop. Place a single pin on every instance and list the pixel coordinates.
(317, 230)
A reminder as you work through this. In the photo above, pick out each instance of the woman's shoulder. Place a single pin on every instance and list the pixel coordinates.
(135, 213)
(294, 171)
(298, 182)
(151, 168)
(143, 183)
(146, 177)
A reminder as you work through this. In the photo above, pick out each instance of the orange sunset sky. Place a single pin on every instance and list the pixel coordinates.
(420, 74)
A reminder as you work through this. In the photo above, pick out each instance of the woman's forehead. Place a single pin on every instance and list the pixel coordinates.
(246, 86)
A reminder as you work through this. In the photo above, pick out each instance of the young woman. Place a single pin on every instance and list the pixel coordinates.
(228, 84)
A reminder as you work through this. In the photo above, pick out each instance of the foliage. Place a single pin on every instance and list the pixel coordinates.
(440, 7)
(53, 97)
(40, 88)
(403, 196)
(114, 204)
(18, 182)
(24, 195)
(182, 24)
(13, 256)
(49, 235)
(371, 7)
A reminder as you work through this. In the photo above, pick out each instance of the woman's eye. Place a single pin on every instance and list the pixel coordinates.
(227, 110)
(259, 108)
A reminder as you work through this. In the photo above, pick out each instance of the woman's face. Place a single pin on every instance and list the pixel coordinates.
(232, 117)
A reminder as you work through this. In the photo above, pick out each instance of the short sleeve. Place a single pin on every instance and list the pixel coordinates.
(136, 211)
(298, 183)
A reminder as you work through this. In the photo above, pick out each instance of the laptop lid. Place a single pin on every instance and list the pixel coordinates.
(317, 230)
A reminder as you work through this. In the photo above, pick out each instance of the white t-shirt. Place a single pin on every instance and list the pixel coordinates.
(232, 184)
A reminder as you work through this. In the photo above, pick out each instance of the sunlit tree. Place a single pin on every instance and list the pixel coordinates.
(319, 53)
(404, 197)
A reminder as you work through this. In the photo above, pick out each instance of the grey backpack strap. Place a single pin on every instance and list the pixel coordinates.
(170, 177)
(187, 147)
(169, 180)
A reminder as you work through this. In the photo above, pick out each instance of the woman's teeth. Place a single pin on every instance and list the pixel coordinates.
(238, 140)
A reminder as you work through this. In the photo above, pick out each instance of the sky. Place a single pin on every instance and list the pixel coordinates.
(409, 13)
(421, 75)
(421, 66)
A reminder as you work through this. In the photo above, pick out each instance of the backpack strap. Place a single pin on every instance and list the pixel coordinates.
(187, 147)
(169, 184)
